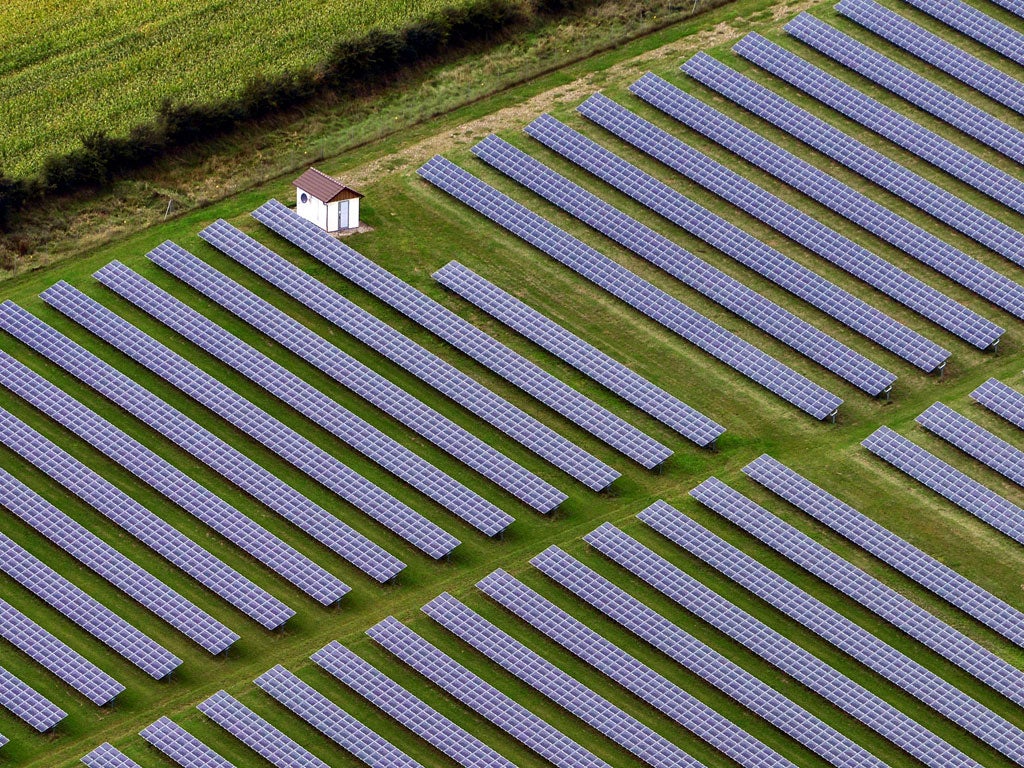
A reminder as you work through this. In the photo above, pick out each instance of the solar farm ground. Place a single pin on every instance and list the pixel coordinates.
(418, 229)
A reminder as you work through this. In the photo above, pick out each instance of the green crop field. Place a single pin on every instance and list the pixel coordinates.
(416, 229)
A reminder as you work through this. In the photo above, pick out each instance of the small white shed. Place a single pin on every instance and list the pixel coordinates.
(326, 202)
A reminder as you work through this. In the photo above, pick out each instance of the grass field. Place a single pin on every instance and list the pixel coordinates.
(418, 229)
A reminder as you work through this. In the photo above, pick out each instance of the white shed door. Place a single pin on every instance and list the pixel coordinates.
(342, 222)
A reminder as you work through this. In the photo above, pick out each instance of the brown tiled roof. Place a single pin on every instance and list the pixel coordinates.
(323, 187)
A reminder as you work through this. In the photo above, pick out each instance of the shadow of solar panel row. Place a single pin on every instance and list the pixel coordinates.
(835, 195)
(783, 217)
(202, 444)
(331, 720)
(556, 685)
(256, 733)
(25, 702)
(728, 677)
(633, 290)
(885, 603)
(888, 547)
(898, 79)
(108, 756)
(482, 697)
(242, 414)
(464, 336)
(977, 25)
(85, 611)
(1002, 400)
(858, 157)
(707, 280)
(302, 396)
(420, 362)
(54, 655)
(749, 251)
(887, 122)
(88, 548)
(931, 48)
(967, 493)
(974, 440)
(798, 663)
(583, 356)
(633, 675)
(405, 408)
(181, 746)
(406, 708)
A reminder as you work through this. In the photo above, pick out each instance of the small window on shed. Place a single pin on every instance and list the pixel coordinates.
(304, 197)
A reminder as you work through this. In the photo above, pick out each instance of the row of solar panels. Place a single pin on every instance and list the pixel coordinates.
(619, 725)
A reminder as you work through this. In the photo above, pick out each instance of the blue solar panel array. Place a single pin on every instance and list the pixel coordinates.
(736, 243)
(461, 334)
(633, 675)
(26, 703)
(974, 440)
(918, 90)
(181, 746)
(773, 211)
(967, 493)
(844, 200)
(332, 721)
(633, 290)
(482, 697)
(108, 756)
(54, 655)
(943, 55)
(1014, 6)
(704, 278)
(858, 157)
(412, 357)
(1002, 400)
(583, 356)
(888, 547)
(371, 386)
(238, 411)
(559, 687)
(202, 444)
(887, 122)
(408, 709)
(977, 25)
(728, 677)
(296, 392)
(775, 648)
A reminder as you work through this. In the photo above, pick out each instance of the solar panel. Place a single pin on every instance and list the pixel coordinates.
(747, 250)
(885, 603)
(419, 717)
(332, 721)
(638, 293)
(974, 440)
(649, 625)
(199, 442)
(25, 702)
(85, 611)
(633, 675)
(564, 690)
(1014, 6)
(888, 547)
(346, 370)
(3, 740)
(967, 493)
(54, 655)
(88, 548)
(482, 697)
(580, 354)
(181, 746)
(1002, 400)
(709, 281)
(764, 206)
(108, 756)
(425, 365)
(464, 336)
(977, 25)
(844, 200)
(918, 90)
(858, 157)
(775, 648)
(943, 55)
(245, 416)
